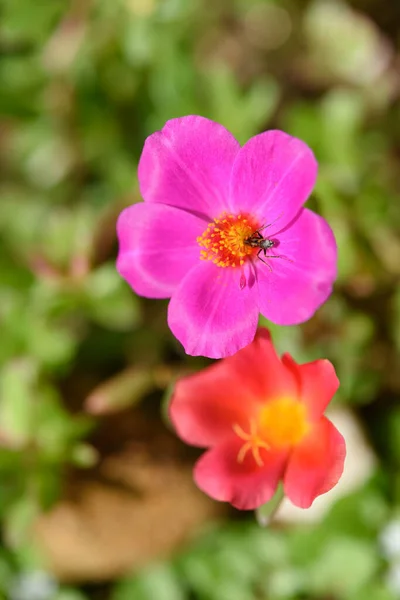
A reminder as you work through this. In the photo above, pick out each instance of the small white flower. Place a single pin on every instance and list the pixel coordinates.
(33, 585)
(390, 540)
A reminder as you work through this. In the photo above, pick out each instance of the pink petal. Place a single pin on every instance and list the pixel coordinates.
(188, 164)
(244, 485)
(157, 247)
(206, 405)
(293, 291)
(318, 383)
(209, 313)
(273, 175)
(316, 465)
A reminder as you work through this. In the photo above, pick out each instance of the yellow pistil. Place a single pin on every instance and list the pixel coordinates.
(223, 240)
(280, 424)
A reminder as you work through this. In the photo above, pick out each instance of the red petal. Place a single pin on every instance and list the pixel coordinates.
(318, 384)
(316, 465)
(261, 368)
(205, 406)
(244, 485)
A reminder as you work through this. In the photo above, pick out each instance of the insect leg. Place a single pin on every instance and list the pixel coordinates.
(269, 224)
(263, 261)
(276, 256)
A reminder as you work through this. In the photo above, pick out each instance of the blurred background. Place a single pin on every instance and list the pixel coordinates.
(96, 495)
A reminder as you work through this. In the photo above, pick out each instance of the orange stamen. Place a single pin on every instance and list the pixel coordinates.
(281, 423)
(223, 240)
(253, 443)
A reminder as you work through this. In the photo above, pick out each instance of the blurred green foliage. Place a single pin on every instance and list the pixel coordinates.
(338, 558)
(82, 84)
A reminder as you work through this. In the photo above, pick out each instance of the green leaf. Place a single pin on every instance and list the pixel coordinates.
(17, 401)
(158, 582)
(344, 566)
(110, 301)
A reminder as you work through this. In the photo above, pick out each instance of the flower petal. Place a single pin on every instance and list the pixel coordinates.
(296, 288)
(262, 370)
(245, 485)
(318, 383)
(273, 175)
(206, 405)
(209, 313)
(316, 465)
(188, 164)
(157, 247)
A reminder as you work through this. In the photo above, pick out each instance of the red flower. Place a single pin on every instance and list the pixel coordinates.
(262, 418)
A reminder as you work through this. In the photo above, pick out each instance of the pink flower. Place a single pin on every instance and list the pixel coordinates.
(209, 205)
(262, 418)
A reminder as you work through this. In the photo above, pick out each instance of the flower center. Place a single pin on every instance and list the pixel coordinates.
(223, 240)
(280, 424)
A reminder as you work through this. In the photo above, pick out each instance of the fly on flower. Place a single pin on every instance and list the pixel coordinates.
(200, 236)
(262, 419)
(257, 240)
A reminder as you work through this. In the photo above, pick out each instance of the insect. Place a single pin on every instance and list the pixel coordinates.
(257, 240)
